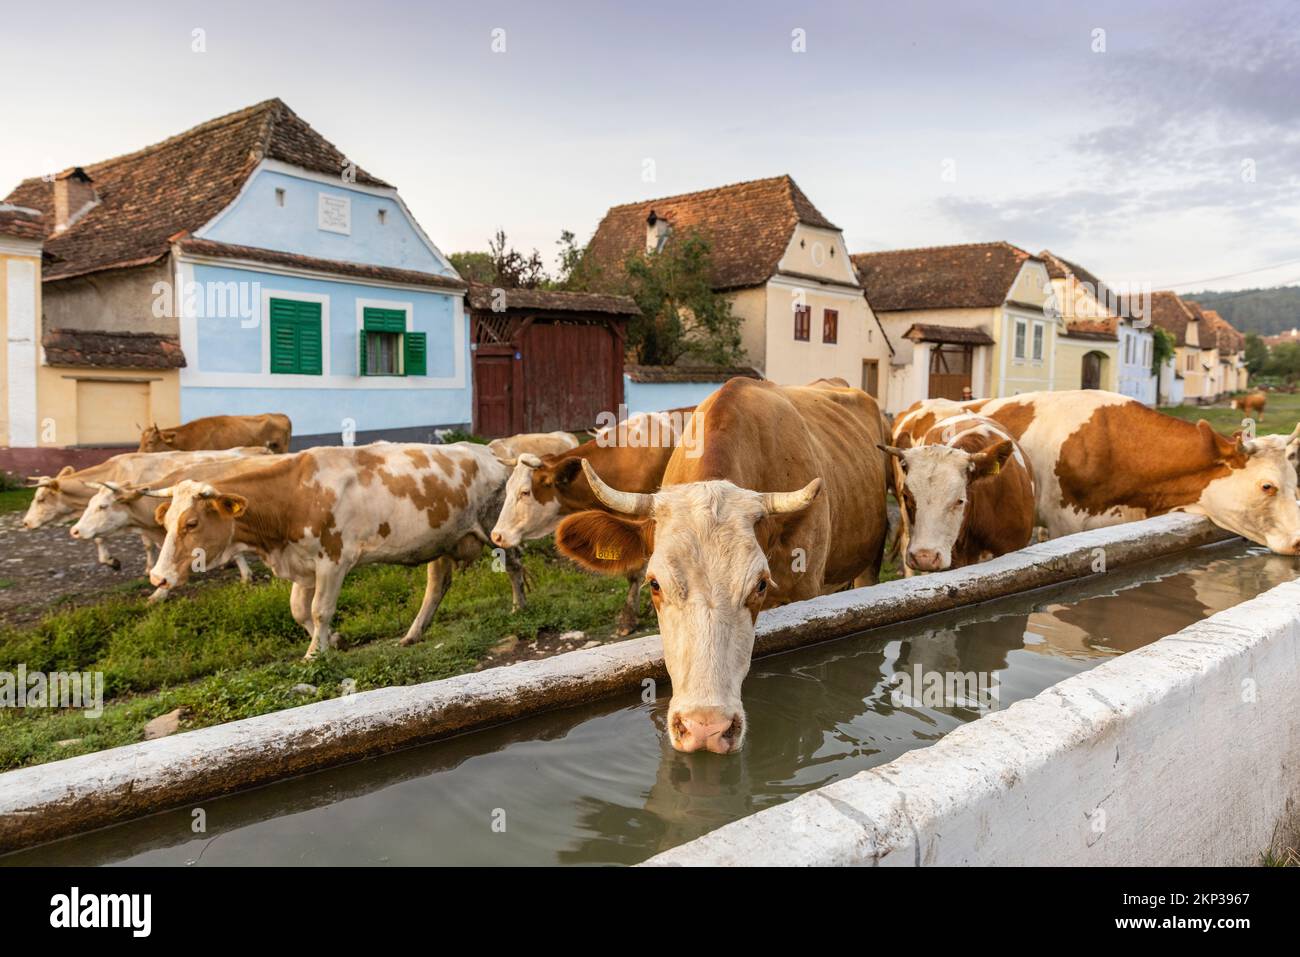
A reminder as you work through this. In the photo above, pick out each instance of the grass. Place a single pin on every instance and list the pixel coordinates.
(1280, 415)
(231, 651)
(15, 499)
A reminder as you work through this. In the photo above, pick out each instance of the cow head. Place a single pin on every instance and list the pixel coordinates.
(200, 524)
(50, 503)
(532, 506)
(154, 439)
(708, 575)
(108, 511)
(1255, 496)
(937, 486)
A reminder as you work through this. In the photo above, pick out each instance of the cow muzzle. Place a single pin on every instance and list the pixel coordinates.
(708, 729)
(925, 560)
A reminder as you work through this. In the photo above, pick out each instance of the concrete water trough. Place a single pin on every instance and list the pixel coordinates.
(77, 795)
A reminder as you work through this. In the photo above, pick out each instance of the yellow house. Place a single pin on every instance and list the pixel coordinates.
(974, 316)
(1182, 321)
(783, 266)
(21, 238)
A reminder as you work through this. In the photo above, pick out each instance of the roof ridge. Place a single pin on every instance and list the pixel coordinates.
(919, 249)
(703, 192)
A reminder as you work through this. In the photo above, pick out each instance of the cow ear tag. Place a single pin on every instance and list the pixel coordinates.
(607, 553)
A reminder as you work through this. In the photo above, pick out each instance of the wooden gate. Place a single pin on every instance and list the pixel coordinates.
(493, 387)
(950, 369)
(1091, 377)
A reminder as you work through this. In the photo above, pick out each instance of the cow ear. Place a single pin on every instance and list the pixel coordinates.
(1222, 448)
(991, 459)
(160, 513)
(567, 471)
(604, 543)
(168, 437)
(231, 506)
(66, 471)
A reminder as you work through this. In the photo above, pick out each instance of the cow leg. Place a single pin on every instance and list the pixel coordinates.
(104, 558)
(159, 594)
(245, 573)
(300, 597)
(438, 581)
(515, 569)
(324, 603)
(147, 542)
(629, 615)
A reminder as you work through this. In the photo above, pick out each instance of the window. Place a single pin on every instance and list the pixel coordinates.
(1019, 350)
(387, 347)
(295, 337)
(802, 322)
(1191, 362)
(279, 196)
(1038, 342)
(830, 325)
(383, 216)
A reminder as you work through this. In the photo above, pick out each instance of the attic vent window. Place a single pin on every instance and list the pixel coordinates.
(383, 216)
(657, 230)
(279, 196)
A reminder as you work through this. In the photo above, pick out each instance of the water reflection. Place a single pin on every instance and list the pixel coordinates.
(600, 784)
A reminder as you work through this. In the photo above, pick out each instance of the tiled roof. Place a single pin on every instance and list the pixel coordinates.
(114, 350)
(747, 225)
(688, 373)
(21, 223)
(940, 277)
(550, 300)
(1170, 313)
(209, 247)
(1096, 328)
(176, 186)
(1227, 339)
(930, 332)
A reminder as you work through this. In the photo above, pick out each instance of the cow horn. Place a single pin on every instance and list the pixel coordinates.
(779, 503)
(533, 462)
(157, 493)
(891, 450)
(629, 503)
(1295, 434)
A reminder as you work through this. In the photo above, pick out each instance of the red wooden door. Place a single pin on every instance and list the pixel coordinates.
(492, 394)
(568, 375)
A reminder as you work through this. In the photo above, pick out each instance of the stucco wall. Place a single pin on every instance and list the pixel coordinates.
(658, 396)
(1182, 753)
(1069, 362)
(20, 311)
(119, 300)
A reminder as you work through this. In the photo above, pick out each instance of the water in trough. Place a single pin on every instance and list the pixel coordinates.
(600, 785)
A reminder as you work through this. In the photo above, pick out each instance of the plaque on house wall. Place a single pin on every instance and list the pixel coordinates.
(334, 213)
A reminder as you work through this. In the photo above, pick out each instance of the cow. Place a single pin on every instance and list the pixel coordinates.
(509, 449)
(67, 494)
(314, 516)
(1100, 458)
(272, 431)
(1252, 403)
(784, 501)
(542, 490)
(967, 491)
(115, 507)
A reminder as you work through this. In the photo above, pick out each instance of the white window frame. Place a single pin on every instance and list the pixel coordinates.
(1019, 339)
(362, 305)
(1038, 342)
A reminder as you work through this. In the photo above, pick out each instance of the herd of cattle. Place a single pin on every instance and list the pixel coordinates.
(779, 496)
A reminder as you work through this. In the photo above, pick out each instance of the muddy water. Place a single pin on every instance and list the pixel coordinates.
(600, 785)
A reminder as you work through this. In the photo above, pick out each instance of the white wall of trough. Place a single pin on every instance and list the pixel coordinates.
(61, 798)
(1185, 752)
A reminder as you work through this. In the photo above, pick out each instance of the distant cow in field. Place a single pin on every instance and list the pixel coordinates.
(509, 449)
(1252, 403)
(1100, 458)
(271, 431)
(782, 500)
(966, 490)
(67, 494)
(314, 516)
(542, 490)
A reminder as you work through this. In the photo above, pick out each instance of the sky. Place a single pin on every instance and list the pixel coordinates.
(1148, 142)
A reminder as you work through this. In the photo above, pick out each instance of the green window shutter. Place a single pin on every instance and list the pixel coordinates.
(384, 320)
(416, 359)
(295, 337)
(361, 353)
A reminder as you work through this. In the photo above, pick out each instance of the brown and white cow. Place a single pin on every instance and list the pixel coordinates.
(271, 431)
(314, 516)
(67, 494)
(785, 501)
(1100, 458)
(967, 491)
(509, 449)
(1252, 403)
(544, 489)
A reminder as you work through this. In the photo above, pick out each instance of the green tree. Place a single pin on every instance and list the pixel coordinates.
(502, 265)
(681, 315)
(1256, 354)
(1163, 348)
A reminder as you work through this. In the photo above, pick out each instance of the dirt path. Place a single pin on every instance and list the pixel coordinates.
(47, 568)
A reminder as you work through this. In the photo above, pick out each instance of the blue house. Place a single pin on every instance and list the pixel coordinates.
(248, 265)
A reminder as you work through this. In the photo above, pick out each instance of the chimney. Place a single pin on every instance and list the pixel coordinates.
(656, 232)
(73, 195)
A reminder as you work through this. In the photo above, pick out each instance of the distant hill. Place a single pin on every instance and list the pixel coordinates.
(1263, 311)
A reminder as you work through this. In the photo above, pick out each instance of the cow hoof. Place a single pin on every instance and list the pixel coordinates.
(624, 630)
(408, 641)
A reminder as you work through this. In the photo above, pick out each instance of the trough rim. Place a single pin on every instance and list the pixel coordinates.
(75, 795)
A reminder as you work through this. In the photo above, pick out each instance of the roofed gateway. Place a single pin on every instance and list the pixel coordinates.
(246, 265)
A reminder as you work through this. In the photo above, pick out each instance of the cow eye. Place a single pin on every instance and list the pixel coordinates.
(761, 587)
(192, 523)
(654, 585)
(1268, 488)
